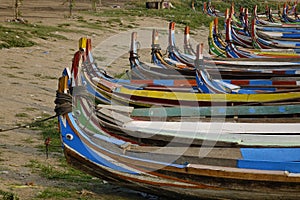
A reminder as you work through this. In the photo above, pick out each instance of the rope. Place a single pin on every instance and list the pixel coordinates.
(29, 124)
(63, 105)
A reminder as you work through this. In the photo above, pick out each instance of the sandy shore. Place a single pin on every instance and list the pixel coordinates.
(28, 78)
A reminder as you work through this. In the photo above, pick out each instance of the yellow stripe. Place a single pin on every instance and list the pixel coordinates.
(210, 97)
(82, 42)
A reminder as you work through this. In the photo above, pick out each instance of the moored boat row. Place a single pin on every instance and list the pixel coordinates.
(186, 125)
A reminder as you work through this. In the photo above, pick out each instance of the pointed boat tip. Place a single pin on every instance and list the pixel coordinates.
(172, 26)
(187, 30)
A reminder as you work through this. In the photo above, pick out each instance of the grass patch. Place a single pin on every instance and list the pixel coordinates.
(28, 140)
(11, 75)
(20, 35)
(8, 195)
(114, 21)
(49, 129)
(45, 77)
(97, 25)
(49, 77)
(64, 173)
(30, 109)
(182, 14)
(34, 83)
(10, 67)
(12, 37)
(63, 25)
(22, 115)
(122, 75)
(56, 193)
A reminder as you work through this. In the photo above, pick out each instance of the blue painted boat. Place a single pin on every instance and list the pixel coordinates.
(172, 171)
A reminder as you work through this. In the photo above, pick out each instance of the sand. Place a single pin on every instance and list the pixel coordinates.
(28, 81)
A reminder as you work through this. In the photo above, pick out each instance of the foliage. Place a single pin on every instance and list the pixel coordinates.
(181, 15)
(20, 35)
(11, 37)
(49, 130)
(65, 173)
(56, 193)
(8, 195)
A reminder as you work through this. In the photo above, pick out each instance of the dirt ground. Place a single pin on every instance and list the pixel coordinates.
(28, 84)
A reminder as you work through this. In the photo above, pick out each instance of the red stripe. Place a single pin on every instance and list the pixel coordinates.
(141, 81)
(240, 82)
(284, 83)
(185, 82)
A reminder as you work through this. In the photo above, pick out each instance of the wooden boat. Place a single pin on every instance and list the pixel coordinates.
(181, 131)
(208, 9)
(285, 15)
(174, 69)
(272, 43)
(166, 96)
(187, 172)
(206, 84)
(188, 49)
(230, 50)
(161, 68)
(263, 58)
(184, 84)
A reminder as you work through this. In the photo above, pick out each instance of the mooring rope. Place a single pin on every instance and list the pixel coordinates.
(63, 105)
(29, 124)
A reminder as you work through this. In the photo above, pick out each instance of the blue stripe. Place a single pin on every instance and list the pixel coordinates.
(271, 154)
(260, 82)
(164, 82)
(293, 167)
(121, 81)
(263, 89)
(77, 145)
(290, 35)
(290, 72)
(93, 92)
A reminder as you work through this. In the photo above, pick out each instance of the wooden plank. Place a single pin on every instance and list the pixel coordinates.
(215, 111)
(125, 109)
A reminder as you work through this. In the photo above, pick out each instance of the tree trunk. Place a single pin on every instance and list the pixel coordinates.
(70, 7)
(17, 3)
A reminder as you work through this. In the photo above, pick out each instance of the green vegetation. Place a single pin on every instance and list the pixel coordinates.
(11, 37)
(92, 25)
(45, 77)
(8, 196)
(56, 193)
(122, 75)
(182, 14)
(64, 172)
(49, 129)
(22, 115)
(20, 35)
(30, 109)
